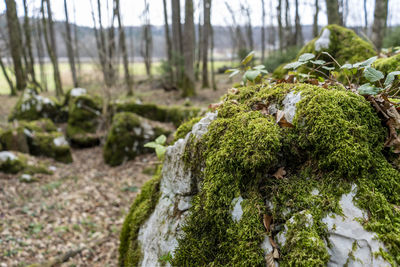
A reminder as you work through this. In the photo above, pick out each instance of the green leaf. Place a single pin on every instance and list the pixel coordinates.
(365, 63)
(259, 67)
(390, 77)
(368, 89)
(328, 68)
(151, 145)
(230, 70)
(318, 62)
(306, 57)
(264, 71)
(248, 58)
(161, 139)
(160, 151)
(347, 66)
(235, 72)
(373, 75)
(252, 75)
(294, 65)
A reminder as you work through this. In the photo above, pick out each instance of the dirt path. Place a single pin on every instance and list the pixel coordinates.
(80, 205)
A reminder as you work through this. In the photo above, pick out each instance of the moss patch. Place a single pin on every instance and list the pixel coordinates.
(185, 128)
(11, 162)
(140, 210)
(389, 64)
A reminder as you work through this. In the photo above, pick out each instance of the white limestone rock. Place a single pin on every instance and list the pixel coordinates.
(237, 211)
(289, 103)
(7, 156)
(60, 141)
(75, 92)
(323, 41)
(176, 189)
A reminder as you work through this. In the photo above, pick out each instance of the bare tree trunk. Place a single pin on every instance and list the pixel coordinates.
(315, 24)
(168, 41)
(332, 9)
(76, 41)
(176, 40)
(147, 40)
(28, 46)
(16, 49)
(214, 83)
(70, 50)
(298, 30)
(365, 16)
(249, 28)
(199, 49)
(290, 38)
(263, 32)
(271, 27)
(111, 71)
(188, 85)
(51, 45)
(10, 83)
(280, 27)
(380, 22)
(40, 54)
(122, 43)
(206, 34)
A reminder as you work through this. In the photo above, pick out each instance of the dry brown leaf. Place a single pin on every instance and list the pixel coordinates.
(269, 259)
(273, 243)
(263, 108)
(214, 106)
(280, 173)
(313, 81)
(233, 91)
(276, 253)
(281, 120)
(267, 219)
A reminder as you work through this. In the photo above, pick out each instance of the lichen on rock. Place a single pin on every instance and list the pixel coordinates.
(127, 136)
(335, 169)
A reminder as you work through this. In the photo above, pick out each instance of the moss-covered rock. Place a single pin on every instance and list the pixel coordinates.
(174, 114)
(51, 144)
(11, 162)
(15, 139)
(83, 120)
(185, 128)
(323, 175)
(389, 64)
(128, 133)
(343, 44)
(32, 106)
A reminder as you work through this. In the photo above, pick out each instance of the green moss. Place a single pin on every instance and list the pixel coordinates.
(345, 47)
(389, 64)
(41, 125)
(174, 114)
(44, 144)
(140, 210)
(83, 120)
(185, 128)
(13, 166)
(14, 139)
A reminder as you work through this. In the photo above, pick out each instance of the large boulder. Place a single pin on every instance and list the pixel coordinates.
(127, 136)
(11, 163)
(32, 106)
(293, 174)
(84, 117)
(388, 64)
(174, 114)
(343, 44)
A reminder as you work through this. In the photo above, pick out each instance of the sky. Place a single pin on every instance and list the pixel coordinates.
(132, 10)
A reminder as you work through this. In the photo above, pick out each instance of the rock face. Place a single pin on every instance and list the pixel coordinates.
(127, 136)
(223, 201)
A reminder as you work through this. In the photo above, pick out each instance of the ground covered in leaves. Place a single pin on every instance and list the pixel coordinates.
(79, 209)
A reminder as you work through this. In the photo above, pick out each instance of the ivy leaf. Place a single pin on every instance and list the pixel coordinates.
(306, 57)
(328, 68)
(251, 75)
(161, 139)
(390, 77)
(259, 67)
(373, 75)
(235, 72)
(160, 151)
(151, 145)
(368, 89)
(318, 62)
(347, 66)
(230, 70)
(248, 58)
(264, 71)
(366, 63)
(294, 65)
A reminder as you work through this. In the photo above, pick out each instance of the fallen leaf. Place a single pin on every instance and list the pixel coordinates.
(267, 219)
(233, 91)
(214, 106)
(269, 259)
(280, 173)
(276, 253)
(281, 120)
(273, 243)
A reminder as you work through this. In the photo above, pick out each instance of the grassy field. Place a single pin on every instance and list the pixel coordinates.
(89, 74)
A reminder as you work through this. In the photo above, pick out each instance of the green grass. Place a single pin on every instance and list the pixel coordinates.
(89, 74)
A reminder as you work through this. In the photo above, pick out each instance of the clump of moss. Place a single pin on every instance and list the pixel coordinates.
(83, 120)
(11, 162)
(388, 64)
(14, 139)
(345, 46)
(185, 128)
(127, 137)
(174, 114)
(141, 209)
(51, 144)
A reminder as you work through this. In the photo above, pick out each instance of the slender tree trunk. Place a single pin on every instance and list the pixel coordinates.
(176, 40)
(280, 27)
(271, 27)
(332, 9)
(122, 43)
(188, 88)
(9, 82)
(111, 70)
(168, 41)
(214, 83)
(263, 32)
(380, 22)
(16, 49)
(76, 41)
(70, 50)
(315, 24)
(290, 38)
(298, 30)
(147, 40)
(199, 49)
(249, 28)
(49, 37)
(40, 54)
(206, 34)
(365, 16)
(28, 46)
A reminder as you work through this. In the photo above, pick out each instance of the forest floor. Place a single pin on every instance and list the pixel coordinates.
(80, 208)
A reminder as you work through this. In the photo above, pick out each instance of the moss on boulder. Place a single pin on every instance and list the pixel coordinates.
(185, 128)
(128, 133)
(11, 162)
(174, 114)
(83, 120)
(343, 44)
(32, 106)
(389, 64)
(51, 144)
(221, 181)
